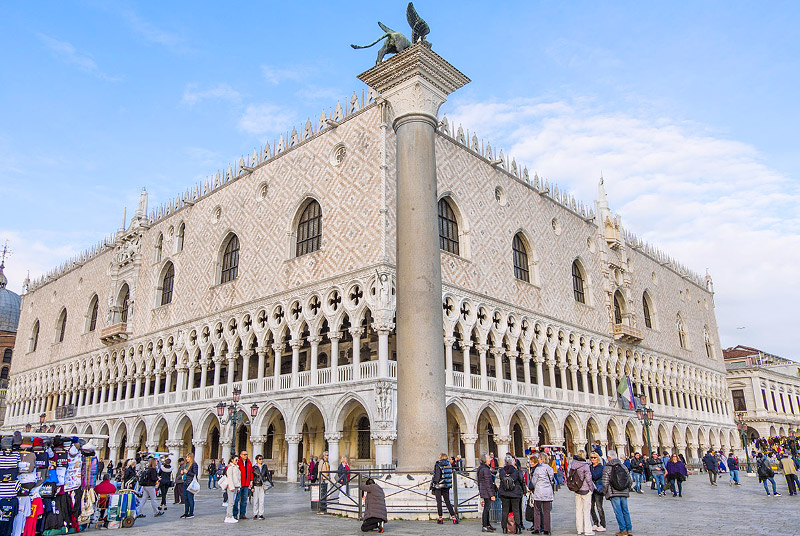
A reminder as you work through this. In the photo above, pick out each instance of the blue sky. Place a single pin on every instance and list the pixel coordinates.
(688, 109)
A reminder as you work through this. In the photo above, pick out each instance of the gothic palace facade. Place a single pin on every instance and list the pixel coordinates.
(276, 278)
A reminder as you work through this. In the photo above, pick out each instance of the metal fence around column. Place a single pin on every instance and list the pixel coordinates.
(332, 494)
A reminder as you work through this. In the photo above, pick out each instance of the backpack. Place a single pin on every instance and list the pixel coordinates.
(619, 477)
(507, 482)
(574, 481)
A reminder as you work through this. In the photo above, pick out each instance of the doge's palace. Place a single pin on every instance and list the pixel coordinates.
(277, 278)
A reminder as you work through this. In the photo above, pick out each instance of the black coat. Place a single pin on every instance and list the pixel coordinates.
(485, 487)
(519, 483)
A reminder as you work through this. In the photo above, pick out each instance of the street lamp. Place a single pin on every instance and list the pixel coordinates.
(645, 414)
(742, 426)
(233, 416)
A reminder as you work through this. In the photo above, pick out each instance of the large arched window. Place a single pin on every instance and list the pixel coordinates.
(123, 303)
(167, 281)
(448, 227)
(34, 341)
(578, 282)
(230, 260)
(681, 327)
(709, 345)
(4, 373)
(7, 355)
(91, 317)
(61, 326)
(648, 321)
(309, 229)
(618, 307)
(521, 270)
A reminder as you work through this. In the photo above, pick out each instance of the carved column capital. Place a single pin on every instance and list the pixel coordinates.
(333, 436)
(469, 438)
(293, 439)
(258, 440)
(383, 437)
(173, 443)
(313, 341)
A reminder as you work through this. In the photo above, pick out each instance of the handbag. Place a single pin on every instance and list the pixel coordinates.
(194, 486)
(223, 482)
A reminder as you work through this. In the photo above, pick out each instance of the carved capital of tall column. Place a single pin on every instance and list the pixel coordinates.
(415, 82)
(171, 444)
(333, 436)
(314, 340)
(293, 439)
(383, 437)
(258, 440)
(469, 438)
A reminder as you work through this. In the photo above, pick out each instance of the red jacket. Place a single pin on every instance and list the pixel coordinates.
(247, 472)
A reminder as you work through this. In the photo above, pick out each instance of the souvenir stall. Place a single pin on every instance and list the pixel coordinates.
(46, 483)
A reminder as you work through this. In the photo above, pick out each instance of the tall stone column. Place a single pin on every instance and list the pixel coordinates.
(258, 445)
(469, 450)
(448, 359)
(291, 469)
(295, 344)
(383, 441)
(356, 334)
(314, 342)
(482, 348)
(498, 368)
(333, 439)
(199, 453)
(503, 443)
(277, 350)
(334, 338)
(465, 346)
(245, 369)
(383, 350)
(262, 356)
(526, 372)
(416, 83)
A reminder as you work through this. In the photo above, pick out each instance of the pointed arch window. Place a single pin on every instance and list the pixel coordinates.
(61, 326)
(681, 327)
(92, 321)
(124, 304)
(230, 260)
(34, 342)
(578, 283)
(618, 308)
(309, 229)
(648, 322)
(709, 345)
(166, 284)
(448, 228)
(521, 270)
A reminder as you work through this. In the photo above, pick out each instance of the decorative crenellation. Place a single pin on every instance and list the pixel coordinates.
(508, 165)
(634, 242)
(246, 164)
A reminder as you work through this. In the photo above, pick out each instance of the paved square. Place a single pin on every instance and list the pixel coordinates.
(703, 510)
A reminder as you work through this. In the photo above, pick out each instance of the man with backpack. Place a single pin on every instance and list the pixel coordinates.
(617, 483)
(580, 482)
(512, 488)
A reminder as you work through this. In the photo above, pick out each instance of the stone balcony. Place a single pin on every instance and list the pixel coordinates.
(114, 334)
(626, 333)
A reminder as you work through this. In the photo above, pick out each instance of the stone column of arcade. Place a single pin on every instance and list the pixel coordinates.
(415, 83)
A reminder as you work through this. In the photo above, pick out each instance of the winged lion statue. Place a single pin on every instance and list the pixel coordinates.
(397, 42)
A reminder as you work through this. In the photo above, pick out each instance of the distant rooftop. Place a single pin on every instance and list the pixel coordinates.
(743, 356)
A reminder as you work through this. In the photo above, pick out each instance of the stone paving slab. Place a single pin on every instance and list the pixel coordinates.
(703, 510)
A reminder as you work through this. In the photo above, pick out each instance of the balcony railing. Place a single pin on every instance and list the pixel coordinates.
(114, 334)
(626, 333)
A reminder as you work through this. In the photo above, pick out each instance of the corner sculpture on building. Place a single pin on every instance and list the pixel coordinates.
(279, 277)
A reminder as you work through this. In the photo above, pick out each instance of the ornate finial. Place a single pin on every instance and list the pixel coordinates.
(397, 42)
(6, 253)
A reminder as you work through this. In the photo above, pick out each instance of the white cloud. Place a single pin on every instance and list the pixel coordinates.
(708, 201)
(192, 96)
(265, 118)
(151, 33)
(276, 75)
(66, 52)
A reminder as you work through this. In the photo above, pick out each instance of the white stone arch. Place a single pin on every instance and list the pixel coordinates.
(118, 431)
(266, 415)
(464, 246)
(304, 408)
(343, 408)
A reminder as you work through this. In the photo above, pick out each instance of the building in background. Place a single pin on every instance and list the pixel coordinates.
(765, 391)
(275, 280)
(9, 318)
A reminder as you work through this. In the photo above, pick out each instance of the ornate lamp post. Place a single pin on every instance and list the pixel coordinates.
(233, 416)
(742, 426)
(645, 414)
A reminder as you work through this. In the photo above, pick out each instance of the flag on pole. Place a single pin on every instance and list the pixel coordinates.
(625, 390)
